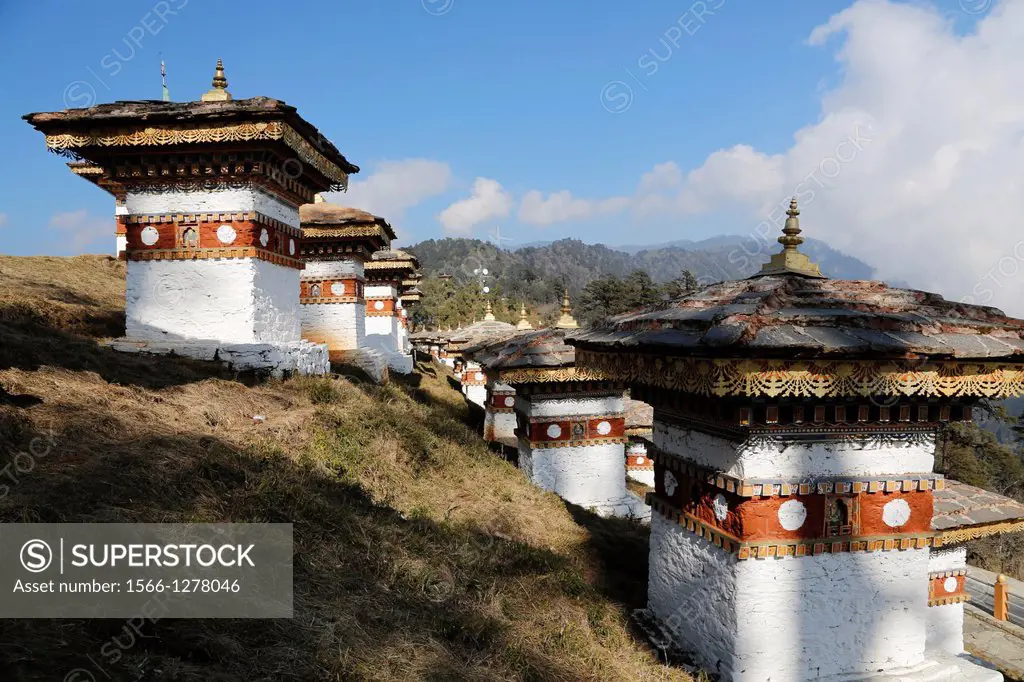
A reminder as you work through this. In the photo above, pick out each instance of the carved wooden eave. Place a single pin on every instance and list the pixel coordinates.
(808, 378)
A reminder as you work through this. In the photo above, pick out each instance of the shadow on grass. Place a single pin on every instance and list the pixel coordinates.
(377, 595)
(622, 546)
(30, 342)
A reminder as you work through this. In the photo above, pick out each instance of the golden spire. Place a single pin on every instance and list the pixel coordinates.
(790, 261)
(523, 323)
(566, 321)
(489, 316)
(219, 93)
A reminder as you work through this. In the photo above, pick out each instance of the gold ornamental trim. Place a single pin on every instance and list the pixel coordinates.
(555, 375)
(176, 135)
(821, 379)
(341, 232)
(957, 535)
(390, 265)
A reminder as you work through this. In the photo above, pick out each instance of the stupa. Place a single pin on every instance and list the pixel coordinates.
(385, 330)
(212, 191)
(798, 529)
(570, 423)
(461, 347)
(336, 243)
(639, 429)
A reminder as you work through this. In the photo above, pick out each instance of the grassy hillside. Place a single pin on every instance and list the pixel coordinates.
(419, 554)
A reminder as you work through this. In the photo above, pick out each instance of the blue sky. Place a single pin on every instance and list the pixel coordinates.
(470, 92)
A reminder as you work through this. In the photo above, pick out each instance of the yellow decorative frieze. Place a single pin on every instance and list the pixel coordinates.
(169, 135)
(820, 379)
(554, 375)
(956, 536)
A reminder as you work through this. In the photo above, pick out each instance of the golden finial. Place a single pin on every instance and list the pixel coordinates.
(523, 323)
(566, 321)
(219, 93)
(489, 315)
(790, 261)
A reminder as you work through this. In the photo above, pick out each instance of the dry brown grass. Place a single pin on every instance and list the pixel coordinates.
(419, 554)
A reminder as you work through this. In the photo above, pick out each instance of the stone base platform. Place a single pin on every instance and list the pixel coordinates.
(369, 360)
(942, 668)
(279, 359)
(945, 669)
(629, 506)
(399, 362)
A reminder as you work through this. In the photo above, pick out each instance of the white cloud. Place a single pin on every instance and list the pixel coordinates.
(396, 186)
(81, 230)
(914, 164)
(562, 206)
(488, 201)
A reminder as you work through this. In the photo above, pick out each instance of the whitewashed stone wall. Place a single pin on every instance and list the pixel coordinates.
(946, 623)
(242, 300)
(536, 406)
(381, 331)
(214, 201)
(501, 426)
(798, 459)
(339, 325)
(342, 326)
(476, 394)
(275, 292)
(340, 269)
(789, 619)
(589, 476)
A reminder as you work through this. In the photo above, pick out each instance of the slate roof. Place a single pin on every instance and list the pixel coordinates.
(639, 416)
(792, 316)
(328, 215)
(484, 349)
(398, 256)
(543, 348)
(480, 333)
(961, 506)
(157, 112)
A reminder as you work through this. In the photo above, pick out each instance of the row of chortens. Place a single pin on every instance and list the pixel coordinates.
(786, 436)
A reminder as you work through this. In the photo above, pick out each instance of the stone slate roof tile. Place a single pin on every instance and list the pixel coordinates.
(542, 348)
(778, 315)
(964, 506)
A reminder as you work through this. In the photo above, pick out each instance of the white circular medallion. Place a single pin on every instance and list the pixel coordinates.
(604, 428)
(378, 305)
(509, 401)
(291, 247)
(792, 514)
(721, 506)
(149, 235)
(264, 236)
(338, 288)
(640, 459)
(479, 376)
(554, 431)
(226, 234)
(950, 584)
(670, 483)
(896, 513)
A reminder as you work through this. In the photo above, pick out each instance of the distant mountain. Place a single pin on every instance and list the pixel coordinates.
(537, 272)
